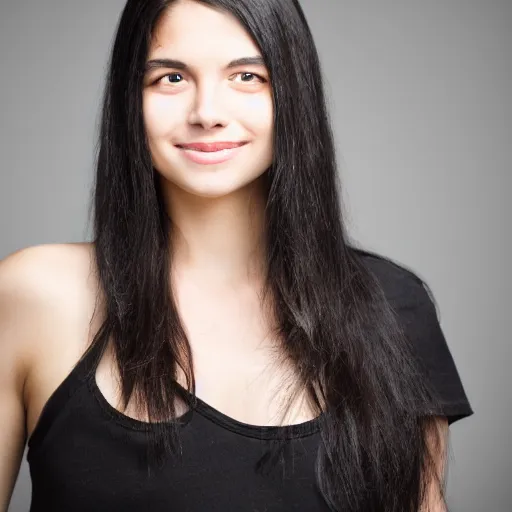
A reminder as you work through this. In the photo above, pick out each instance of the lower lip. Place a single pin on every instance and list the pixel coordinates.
(211, 157)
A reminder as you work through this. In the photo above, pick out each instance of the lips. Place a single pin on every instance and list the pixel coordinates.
(210, 153)
(210, 147)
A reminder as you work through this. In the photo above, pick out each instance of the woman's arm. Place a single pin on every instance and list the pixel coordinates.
(434, 500)
(12, 377)
(23, 310)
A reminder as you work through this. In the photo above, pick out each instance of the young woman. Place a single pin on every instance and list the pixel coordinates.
(221, 345)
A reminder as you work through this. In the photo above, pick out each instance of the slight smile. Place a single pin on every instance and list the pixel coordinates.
(208, 153)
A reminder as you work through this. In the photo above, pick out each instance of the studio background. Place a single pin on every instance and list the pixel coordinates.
(421, 104)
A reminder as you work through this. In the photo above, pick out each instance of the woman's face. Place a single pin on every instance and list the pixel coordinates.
(206, 98)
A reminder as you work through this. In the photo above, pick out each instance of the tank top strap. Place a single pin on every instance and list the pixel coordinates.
(86, 366)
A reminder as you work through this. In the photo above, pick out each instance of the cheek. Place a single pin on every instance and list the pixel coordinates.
(161, 116)
(259, 110)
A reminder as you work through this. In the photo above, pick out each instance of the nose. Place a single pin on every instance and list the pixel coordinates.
(207, 109)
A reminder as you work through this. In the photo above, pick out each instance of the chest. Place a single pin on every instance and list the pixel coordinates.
(237, 361)
(237, 358)
(101, 470)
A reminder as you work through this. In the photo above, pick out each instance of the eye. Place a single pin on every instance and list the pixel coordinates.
(172, 75)
(244, 75)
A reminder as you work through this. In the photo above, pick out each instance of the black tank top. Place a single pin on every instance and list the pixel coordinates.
(85, 455)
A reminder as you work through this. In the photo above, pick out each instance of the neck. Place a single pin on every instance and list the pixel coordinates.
(219, 242)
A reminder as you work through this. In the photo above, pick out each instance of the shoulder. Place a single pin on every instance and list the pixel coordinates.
(410, 298)
(42, 289)
(416, 311)
(38, 274)
(38, 260)
(400, 284)
(412, 303)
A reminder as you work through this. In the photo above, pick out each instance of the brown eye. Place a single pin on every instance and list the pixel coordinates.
(248, 77)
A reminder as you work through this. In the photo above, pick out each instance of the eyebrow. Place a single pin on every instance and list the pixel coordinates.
(177, 64)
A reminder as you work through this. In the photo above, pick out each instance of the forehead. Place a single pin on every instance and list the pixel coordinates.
(191, 29)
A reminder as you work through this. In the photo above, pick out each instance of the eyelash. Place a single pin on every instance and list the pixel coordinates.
(263, 80)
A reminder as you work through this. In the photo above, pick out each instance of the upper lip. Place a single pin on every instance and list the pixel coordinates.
(211, 146)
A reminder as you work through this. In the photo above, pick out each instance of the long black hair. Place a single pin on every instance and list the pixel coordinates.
(341, 335)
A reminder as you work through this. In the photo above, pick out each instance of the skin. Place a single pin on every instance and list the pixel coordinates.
(47, 294)
(217, 209)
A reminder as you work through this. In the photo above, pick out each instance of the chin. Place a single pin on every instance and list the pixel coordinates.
(212, 186)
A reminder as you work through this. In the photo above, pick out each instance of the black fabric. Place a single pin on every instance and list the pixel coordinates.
(416, 312)
(85, 455)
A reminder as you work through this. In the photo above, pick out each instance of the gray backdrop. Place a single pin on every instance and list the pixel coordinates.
(421, 100)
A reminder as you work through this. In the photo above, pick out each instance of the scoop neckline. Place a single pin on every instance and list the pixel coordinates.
(295, 430)
(264, 432)
(125, 420)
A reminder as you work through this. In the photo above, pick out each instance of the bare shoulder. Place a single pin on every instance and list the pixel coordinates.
(47, 303)
(46, 278)
(40, 264)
